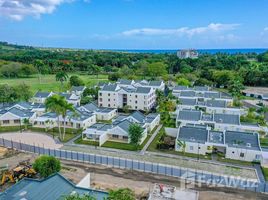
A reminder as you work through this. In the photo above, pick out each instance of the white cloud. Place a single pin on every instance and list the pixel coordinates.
(182, 31)
(18, 9)
(265, 29)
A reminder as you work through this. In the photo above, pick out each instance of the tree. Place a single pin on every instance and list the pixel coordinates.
(136, 134)
(79, 197)
(22, 92)
(76, 81)
(54, 104)
(39, 64)
(126, 108)
(235, 88)
(65, 107)
(183, 81)
(61, 76)
(156, 69)
(47, 165)
(121, 194)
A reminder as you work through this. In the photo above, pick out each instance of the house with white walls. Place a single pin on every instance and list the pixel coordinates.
(104, 114)
(40, 97)
(235, 145)
(78, 90)
(118, 130)
(75, 120)
(71, 98)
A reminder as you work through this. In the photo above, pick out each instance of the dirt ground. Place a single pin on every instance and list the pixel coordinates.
(106, 178)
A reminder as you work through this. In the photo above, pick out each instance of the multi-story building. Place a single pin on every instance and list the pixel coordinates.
(136, 98)
(187, 53)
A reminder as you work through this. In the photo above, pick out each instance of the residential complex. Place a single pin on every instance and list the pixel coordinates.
(231, 144)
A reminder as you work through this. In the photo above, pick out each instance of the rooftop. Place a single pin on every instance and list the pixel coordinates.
(227, 119)
(191, 115)
(193, 134)
(52, 188)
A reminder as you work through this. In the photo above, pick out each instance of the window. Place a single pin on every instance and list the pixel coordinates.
(114, 136)
(100, 99)
(136, 102)
(242, 155)
(101, 105)
(257, 157)
(125, 137)
(108, 99)
(136, 107)
(191, 148)
(109, 105)
(16, 121)
(5, 121)
(109, 94)
(100, 94)
(136, 96)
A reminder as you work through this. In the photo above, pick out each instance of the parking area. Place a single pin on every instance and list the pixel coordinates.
(32, 138)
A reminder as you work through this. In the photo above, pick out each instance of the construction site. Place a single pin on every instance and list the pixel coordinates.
(17, 165)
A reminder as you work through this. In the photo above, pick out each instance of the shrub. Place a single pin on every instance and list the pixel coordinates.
(47, 165)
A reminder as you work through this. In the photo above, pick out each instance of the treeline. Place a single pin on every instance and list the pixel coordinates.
(218, 69)
(9, 94)
(16, 70)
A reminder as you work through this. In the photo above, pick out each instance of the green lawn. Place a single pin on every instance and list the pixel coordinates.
(48, 82)
(264, 142)
(231, 161)
(86, 142)
(10, 128)
(265, 173)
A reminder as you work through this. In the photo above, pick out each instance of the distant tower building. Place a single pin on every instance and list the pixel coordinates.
(187, 53)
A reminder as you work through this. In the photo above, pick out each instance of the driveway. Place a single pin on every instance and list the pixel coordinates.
(38, 139)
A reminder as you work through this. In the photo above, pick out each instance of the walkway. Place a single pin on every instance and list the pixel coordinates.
(151, 139)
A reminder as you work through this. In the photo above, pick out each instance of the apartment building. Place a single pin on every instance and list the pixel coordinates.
(136, 98)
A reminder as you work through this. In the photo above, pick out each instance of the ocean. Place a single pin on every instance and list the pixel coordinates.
(201, 51)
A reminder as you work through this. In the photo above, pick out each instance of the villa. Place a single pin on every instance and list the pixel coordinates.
(156, 85)
(104, 114)
(217, 121)
(118, 130)
(236, 145)
(78, 90)
(71, 98)
(40, 97)
(15, 117)
(75, 120)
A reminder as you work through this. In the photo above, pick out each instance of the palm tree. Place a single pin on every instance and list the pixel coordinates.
(26, 123)
(55, 104)
(61, 76)
(65, 108)
(39, 65)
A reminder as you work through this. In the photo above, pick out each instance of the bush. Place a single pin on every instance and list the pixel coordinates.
(47, 165)
(121, 194)
(76, 81)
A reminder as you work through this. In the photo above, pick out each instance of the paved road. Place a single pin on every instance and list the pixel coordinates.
(150, 140)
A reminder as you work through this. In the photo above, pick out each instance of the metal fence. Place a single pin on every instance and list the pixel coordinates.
(184, 174)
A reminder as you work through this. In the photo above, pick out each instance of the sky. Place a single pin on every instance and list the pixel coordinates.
(135, 24)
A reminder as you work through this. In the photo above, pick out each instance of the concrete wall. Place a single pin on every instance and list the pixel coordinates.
(236, 154)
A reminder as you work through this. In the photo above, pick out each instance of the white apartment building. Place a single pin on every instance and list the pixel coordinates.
(137, 98)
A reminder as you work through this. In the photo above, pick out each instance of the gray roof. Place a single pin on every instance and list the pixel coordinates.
(216, 103)
(187, 94)
(227, 118)
(78, 88)
(212, 95)
(180, 87)
(41, 94)
(193, 134)
(101, 126)
(110, 87)
(138, 116)
(125, 81)
(188, 102)
(242, 140)
(91, 107)
(66, 95)
(216, 137)
(151, 117)
(155, 83)
(207, 117)
(191, 115)
(52, 188)
(201, 88)
(125, 124)
(21, 113)
(144, 90)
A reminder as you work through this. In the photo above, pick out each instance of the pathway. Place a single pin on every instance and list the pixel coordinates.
(151, 139)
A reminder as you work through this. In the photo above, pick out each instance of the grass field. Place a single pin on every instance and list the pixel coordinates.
(49, 83)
